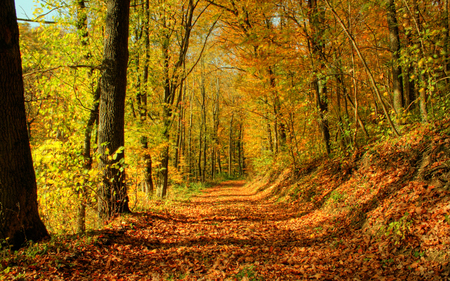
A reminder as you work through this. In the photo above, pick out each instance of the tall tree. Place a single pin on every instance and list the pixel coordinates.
(394, 39)
(317, 45)
(113, 196)
(19, 217)
(92, 119)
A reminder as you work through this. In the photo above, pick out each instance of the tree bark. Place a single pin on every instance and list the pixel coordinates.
(316, 19)
(143, 98)
(240, 151)
(147, 183)
(19, 217)
(215, 130)
(203, 125)
(422, 95)
(446, 40)
(113, 198)
(394, 45)
(230, 147)
(189, 144)
(93, 117)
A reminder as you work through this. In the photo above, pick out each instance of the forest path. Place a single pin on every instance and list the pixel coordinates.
(226, 233)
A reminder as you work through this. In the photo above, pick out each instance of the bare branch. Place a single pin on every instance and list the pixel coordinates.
(93, 67)
(38, 21)
(366, 67)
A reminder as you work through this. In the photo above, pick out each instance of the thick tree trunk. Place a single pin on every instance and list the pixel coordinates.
(322, 106)
(410, 88)
(19, 217)
(394, 45)
(319, 85)
(113, 198)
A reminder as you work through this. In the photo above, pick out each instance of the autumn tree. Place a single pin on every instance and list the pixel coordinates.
(317, 49)
(394, 40)
(82, 28)
(19, 217)
(113, 196)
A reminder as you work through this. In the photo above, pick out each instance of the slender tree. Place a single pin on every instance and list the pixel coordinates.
(92, 119)
(19, 217)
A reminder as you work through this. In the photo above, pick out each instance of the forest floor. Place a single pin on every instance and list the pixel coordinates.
(229, 232)
(379, 214)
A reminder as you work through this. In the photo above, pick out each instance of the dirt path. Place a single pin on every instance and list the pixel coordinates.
(226, 233)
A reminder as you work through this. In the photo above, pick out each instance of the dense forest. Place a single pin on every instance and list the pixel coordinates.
(127, 105)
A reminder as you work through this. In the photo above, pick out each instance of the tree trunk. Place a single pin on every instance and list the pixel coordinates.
(205, 145)
(394, 45)
(169, 92)
(200, 146)
(319, 84)
(219, 162)
(87, 165)
(203, 125)
(322, 106)
(415, 13)
(93, 117)
(215, 130)
(19, 217)
(240, 154)
(147, 183)
(269, 136)
(180, 128)
(189, 144)
(112, 193)
(279, 126)
(163, 173)
(230, 147)
(446, 41)
(143, 98)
